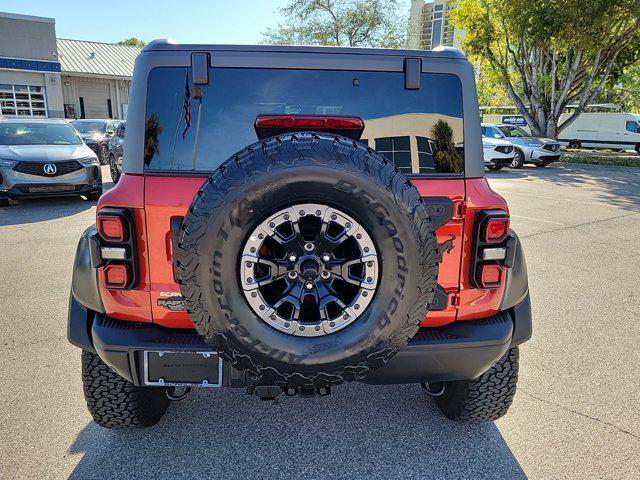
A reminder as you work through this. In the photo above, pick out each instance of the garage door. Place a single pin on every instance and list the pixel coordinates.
(95, 98)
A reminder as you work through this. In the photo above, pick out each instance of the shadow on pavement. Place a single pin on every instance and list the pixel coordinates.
(617, 186)
(42, 209)
(359, 432)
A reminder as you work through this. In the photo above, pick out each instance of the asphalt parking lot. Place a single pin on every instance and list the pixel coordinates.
(575, 414)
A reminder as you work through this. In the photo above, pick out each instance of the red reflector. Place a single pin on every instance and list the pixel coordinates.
(111, 228)
(312, 122)
(490, 275)
(496, 229)
(116, 276)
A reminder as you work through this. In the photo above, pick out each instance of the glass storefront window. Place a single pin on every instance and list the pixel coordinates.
(22, 100)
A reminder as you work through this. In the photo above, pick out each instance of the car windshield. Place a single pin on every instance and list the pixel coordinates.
(511, 131)
(25, 133)
(89, 127)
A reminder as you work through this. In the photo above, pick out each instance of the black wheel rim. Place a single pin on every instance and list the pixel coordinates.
(309, 270)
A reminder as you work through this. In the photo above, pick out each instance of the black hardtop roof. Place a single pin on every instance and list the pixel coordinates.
(438, 52)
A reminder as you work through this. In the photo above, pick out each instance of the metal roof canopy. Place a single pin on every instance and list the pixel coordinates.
(79, 57)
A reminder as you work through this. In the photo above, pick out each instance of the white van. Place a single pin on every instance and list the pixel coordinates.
(602, 130)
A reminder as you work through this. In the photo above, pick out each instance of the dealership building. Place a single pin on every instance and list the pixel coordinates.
(44, 76)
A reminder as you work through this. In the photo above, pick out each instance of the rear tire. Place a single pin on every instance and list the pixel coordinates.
(113, 169)
(103, 157)
(518, 161)
(574, 144)
(94, 196)
(116, 403)
(323, 171)
(483, 399)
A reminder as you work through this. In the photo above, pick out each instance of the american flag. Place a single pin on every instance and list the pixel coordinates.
(186, 107)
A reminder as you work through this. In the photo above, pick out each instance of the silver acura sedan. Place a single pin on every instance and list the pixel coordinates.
(539, 151)
(42, 158)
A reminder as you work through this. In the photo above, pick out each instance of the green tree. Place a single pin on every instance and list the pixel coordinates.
(625, 90)
(133, 41)
(353, 23)
(491, 91)
(152, 131)
(552, 53)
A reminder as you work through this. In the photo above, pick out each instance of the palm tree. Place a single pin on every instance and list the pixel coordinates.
(152, 131)
(447, 158)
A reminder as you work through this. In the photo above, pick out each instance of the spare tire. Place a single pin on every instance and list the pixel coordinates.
(307, 259)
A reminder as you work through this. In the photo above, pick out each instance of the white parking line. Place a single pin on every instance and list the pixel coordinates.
(538, 220)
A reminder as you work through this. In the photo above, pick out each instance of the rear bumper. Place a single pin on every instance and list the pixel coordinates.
(458, 351)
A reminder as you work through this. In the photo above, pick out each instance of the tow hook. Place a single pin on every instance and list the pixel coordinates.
(435, 389)
(176, 397)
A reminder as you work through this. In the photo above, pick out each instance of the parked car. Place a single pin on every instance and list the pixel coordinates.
(115, 152)
(497, 153)
(618, 131)
(41, 158)
(283, 255)
(539, 151)
(96, 134)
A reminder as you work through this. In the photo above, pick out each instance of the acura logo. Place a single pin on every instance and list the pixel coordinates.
(49, 169)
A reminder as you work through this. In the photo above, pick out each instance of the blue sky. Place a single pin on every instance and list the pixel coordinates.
(192, 21)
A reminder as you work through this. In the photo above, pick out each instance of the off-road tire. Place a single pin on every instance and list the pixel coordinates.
(116, 403)
(483, 399)
(276, 173)
(518, 161)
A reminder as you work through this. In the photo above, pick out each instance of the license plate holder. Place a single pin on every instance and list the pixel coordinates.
(167, 368)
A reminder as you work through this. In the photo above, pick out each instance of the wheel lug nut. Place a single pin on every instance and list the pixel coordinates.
(309, 246)
(308, 286)
(325, 274)
(293, 274)
(292, 258)
(326, 257)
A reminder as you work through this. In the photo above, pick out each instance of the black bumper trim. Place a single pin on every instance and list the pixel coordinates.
(459, 351)
(16, 193)
(503, 162)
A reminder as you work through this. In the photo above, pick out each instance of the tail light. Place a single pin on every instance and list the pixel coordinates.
(117, 249)
(116, 276)
(490, 275)
(111, 228)
(492, 252)
(495, 229)
(269, 125)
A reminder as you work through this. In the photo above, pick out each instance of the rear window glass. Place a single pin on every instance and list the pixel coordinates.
(420, 130)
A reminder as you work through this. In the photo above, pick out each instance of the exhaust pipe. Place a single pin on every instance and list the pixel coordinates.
(176, 397)
(435, 389)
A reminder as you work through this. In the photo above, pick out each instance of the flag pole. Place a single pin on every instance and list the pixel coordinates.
(197, 95)
(175, 137)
